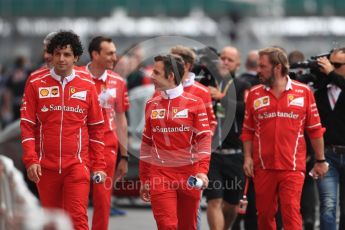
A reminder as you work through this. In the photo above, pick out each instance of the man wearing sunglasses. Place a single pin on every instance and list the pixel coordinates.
(330, 100)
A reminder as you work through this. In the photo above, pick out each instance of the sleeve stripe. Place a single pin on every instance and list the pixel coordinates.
(200, 87)
(84, 79)
(99, 142)
(188, 98)
(143, 157)
(147, 136)
(206, 131)
(205, 153)
(248, 127)
(96, 123)
(39, 78)
(30, 121)
(312, 126)
(28, 139)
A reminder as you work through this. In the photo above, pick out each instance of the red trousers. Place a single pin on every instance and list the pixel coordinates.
(68, 190)
(174, 205)
(285, 185)
(101, 193)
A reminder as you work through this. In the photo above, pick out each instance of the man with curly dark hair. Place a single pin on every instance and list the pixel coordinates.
(63, 105)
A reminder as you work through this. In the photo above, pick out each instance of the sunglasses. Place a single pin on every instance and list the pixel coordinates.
(337, 64)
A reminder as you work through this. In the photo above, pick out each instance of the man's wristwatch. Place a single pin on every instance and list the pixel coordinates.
(126, 158)
(320, 161)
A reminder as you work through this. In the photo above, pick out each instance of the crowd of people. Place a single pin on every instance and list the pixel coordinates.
(264, 128)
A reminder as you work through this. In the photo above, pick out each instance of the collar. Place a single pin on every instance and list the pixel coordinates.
(172, 93)
(58, 77)
(251, 72)
(288, 84)
(189, 81)
(333, 86)
(103, 77)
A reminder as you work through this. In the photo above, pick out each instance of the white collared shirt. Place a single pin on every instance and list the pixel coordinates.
(333, 94)
(172, 93)
(65, 79)
(189, 81)
(103, 77)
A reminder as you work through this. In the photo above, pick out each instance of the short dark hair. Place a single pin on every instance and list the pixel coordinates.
(64, 38)
(295, 56)
(95, 44)
(172, 64)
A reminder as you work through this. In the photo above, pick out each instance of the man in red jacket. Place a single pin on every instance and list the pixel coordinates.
(113, 98)
(191, 86)
(176, 144)
(64, 106)
(277, 113)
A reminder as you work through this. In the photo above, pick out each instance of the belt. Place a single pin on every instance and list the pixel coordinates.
(339, 149)
(228, 151)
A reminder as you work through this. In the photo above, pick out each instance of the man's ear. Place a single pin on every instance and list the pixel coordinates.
(279, 67)
(171, 76)
(76, 59)
(94, 54)
(188, 66)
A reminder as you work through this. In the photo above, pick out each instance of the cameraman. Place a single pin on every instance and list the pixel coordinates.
(330, 100)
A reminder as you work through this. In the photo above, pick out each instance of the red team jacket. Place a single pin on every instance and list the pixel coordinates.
(69, 120)
(195, 88)
(112, 96)
(276, 126)
(176, 134)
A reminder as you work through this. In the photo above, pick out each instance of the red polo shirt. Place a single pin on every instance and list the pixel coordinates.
(276, 125)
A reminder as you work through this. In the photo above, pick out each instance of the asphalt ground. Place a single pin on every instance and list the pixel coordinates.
(138, 218)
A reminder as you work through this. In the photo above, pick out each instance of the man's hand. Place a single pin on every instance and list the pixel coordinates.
(215, 93)
(145, 192)
(121, 170)
(248, 166)
(34, 172)
(320, 170)
(103, 175)
(325, 65)
(204, 178)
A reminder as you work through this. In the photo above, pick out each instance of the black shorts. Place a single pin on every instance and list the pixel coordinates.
(226, 178)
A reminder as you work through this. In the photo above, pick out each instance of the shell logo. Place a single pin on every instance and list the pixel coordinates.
(72, 90)
(257, 103)
(44, 92)
(154, 114)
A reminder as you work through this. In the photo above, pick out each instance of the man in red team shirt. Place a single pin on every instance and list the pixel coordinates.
(113, 98)
(191, 86)
(277, 113)
(176, 144)
(63, 106)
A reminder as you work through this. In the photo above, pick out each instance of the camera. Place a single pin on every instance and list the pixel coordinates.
(205, 66)
(308, 72)
(310, 63)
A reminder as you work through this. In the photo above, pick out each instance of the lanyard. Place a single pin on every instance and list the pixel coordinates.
(226, 88)
(220, 107)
